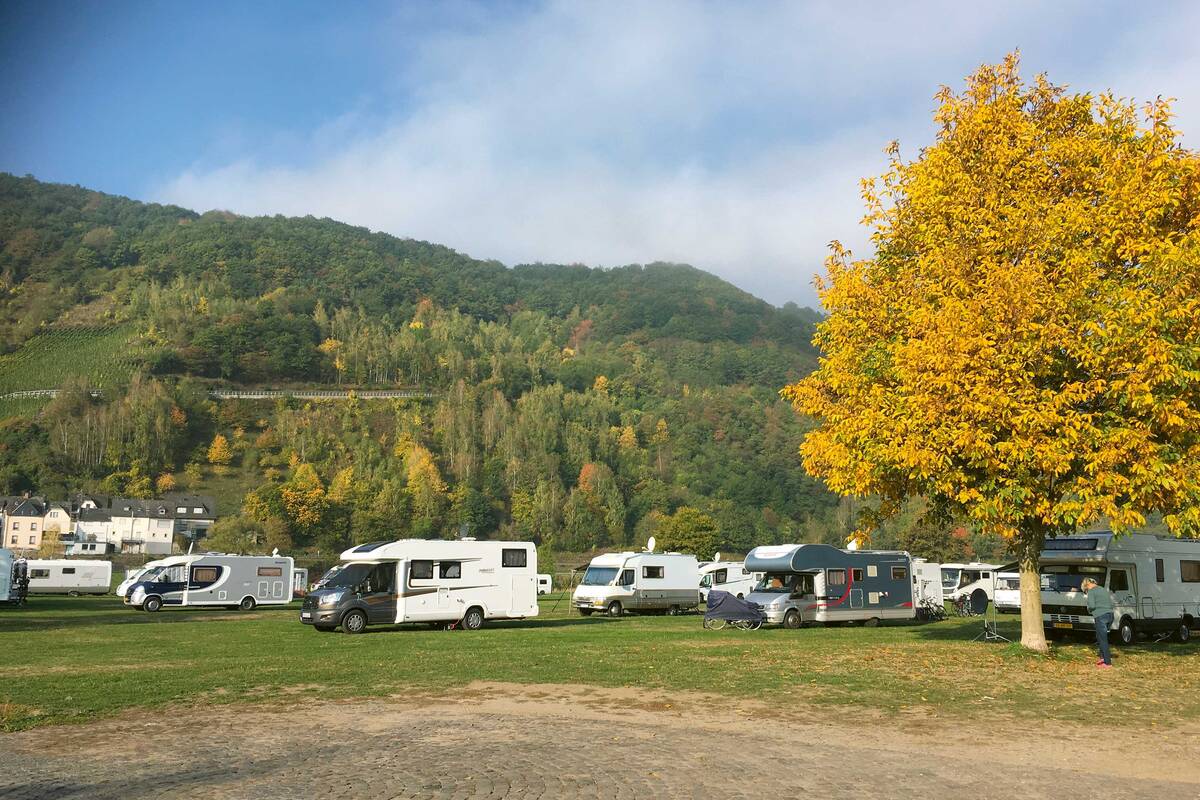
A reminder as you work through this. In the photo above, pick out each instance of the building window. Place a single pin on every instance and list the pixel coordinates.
(1189, 571)
(856, 574)
(899, 573)
(16, 526)
(13, 540)
(836, 577)
(270, 572)
(33, 540)
(53, 515)
(422, 570)
(33, 526)
(652, 572)
(513, 558)
(1159, 570)
(450, 569)
(197, 510)
(181, 509)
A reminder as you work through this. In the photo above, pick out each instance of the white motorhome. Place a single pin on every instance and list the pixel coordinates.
(214, 579)
(727, 576)
(14, 578)
(927, 583)
(1008, 592)
(69, 576)
(965, 580)
(1154, 581)
(618, 582)
(132, 575)
(545, 583)
(432, 581)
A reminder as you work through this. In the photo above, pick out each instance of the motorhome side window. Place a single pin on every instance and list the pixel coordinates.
(68, 570)
(39, 573)
(626, 578)
(1159, 570)
(652, 572)
(382, 578)
(450, 569)
(899, 573)
(422, 570)
(513, 558)
(1189, 571)
(856, 574)
(1118, 581)
(836, 577)
(718, 577)
(205, 574)
(270, 572)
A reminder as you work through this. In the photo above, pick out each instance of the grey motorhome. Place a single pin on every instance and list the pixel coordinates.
(656, 582)
(14, 578)
(432, 581)
(1154, 581)
(804, 583)
(214, 579)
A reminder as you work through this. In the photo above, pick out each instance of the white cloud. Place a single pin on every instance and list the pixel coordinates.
(728, 136)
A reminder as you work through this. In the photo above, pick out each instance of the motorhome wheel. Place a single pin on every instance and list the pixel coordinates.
(152, 603)
(586, 612)
(247, 604)
(791, 619)
(614, 609)
(473, 620)
(72, 594)
(871, 622)
(1184, 633)
(674, 611)
(355, 621)
(1126, 632)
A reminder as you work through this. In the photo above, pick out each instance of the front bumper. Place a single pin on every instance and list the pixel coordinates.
(587, 602)
(319, 616)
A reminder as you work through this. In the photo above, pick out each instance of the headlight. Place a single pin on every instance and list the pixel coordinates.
(331, 599)
(138, 594)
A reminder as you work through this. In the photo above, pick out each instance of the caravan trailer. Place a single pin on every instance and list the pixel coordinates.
(727, 576)
(1154, 581)
(804, 583)
(69, 576)
(545, 583)
(14, 578)
(214, 579)
(618, 582)
(432, 581)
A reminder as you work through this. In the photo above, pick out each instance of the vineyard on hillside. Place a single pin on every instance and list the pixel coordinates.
(104, 356)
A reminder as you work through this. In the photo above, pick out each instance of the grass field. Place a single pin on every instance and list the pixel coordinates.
(74, 659)
(102, 355)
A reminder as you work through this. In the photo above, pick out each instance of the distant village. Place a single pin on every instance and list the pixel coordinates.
(93, 524)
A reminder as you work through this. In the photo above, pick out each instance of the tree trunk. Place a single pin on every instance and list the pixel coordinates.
(1029, 549)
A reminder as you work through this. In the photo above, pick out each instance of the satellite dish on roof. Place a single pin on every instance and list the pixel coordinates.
(716, 556)
(852, 544)
(650, 543)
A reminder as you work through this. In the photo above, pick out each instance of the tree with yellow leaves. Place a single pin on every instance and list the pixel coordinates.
(1024, 346)
(219, 452)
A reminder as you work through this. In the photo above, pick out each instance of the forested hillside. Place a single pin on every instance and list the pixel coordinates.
(579, 407)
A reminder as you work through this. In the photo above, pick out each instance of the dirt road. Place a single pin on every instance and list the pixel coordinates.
(498, 740)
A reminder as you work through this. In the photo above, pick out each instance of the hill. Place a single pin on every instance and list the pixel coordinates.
(578, 406)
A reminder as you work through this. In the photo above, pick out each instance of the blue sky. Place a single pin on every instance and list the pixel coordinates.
(727, 135)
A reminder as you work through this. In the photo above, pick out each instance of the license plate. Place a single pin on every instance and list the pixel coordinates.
(1063, 625)
(305, 615)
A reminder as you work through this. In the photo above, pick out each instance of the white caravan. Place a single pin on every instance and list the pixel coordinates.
(14, 578)
(1154, 581)
(132, 575)
(1007, 597)
(927, 583)
(618, 582)
(433, 581)
(965, 580)
(727, 576)
(214, 579)
(545, 583)
(69, 576)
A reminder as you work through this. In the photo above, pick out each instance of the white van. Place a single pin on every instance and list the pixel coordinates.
(618, 582)
(1007, 597)
(69, 576)
(727, 576)
(214, 579)
(420, 580)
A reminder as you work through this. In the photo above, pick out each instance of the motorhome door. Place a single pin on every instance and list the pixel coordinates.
(1123, 592)
(379, 593)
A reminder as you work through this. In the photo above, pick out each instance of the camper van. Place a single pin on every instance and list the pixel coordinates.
(214, 579)
(1154, 581)
(805, 583)
(132, 575)
(1007, 597)
(432, 581)
(726, 576)
(14, 578)
(965, 580)
(646, 582)
(545, 583)
(69, 576)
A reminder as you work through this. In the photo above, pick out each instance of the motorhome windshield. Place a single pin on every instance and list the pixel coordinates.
(148, 574)
(599, 576)
(950, 578)
(1067, 577)
(348, 576)
(781, 582)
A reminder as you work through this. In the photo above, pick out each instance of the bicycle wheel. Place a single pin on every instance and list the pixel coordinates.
(714, 624)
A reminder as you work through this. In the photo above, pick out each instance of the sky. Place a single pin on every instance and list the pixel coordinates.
(731, 136)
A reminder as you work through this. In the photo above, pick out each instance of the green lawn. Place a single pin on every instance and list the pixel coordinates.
(74, 659)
